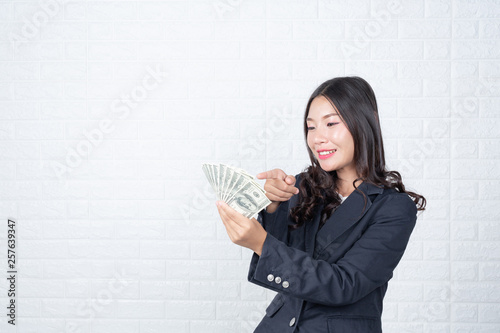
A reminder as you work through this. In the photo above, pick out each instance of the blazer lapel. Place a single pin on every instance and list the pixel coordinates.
(345, 216)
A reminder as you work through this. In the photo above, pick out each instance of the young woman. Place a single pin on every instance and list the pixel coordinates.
(333, 235)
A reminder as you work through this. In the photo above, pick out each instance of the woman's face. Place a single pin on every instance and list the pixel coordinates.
(329, 139)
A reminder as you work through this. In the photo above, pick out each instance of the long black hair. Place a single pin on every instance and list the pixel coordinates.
(354, 100)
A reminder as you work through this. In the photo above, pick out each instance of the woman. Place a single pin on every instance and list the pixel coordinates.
(332, 236)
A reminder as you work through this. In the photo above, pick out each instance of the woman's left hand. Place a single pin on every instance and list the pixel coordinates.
(241, 230)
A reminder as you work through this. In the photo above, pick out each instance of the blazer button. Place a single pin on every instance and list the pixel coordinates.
(270, 278)
(277, 280)
(292, 322)
(285, 284)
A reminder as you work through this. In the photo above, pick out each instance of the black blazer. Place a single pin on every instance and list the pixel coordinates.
(334, 279)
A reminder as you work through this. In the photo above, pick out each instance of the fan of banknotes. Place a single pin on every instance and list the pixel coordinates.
(237, 188)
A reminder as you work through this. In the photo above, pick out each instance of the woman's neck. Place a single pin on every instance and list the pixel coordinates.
(345, 186)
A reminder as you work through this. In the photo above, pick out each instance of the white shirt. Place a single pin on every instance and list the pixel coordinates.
(342, 198)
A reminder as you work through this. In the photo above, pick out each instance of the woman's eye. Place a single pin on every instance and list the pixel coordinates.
(310, 128)
(331, 124)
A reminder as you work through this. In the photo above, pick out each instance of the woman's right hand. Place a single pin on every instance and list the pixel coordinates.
(279, 187)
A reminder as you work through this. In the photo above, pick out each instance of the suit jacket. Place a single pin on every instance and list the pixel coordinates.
(333, 279)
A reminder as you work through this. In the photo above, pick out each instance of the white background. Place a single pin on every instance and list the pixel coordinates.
(100, 160)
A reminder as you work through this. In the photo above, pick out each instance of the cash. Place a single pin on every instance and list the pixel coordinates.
(237, 188)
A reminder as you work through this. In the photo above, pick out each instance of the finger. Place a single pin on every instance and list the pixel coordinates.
(273, 197)
(228, 223)
(231, 214)
(279, 188)
(272, 174)
(290, 180)
(280, 193)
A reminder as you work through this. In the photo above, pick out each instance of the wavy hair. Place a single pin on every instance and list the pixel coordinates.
(354, 100)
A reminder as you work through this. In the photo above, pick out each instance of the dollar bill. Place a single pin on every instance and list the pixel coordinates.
(237, 188)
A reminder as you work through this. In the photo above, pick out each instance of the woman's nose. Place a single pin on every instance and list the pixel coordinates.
(319, 137)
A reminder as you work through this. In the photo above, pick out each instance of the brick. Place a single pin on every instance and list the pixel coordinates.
(164, 249)
(469, 9)
(343, 9)
(383, 70)
(437, 50)
(464, 312)
(460, 146)
(232, 270)
(218, 326)
(149, 325)
(428, 271)
(467, 169)
(248, 312)
(139, 309)
(65, 71)
(24, 70)
(427, 312)
(401, 9)
(138, 31)
(436, 251)
(489, 230)
(489, 313)
(192, 310)
(474, 292)
(124, 325)
(475, 328)
(394, 327)
(463, 211)
(464, 230)
(476, 251)
(252, 292)
(472, 49)
(400, 50)
(113, 289)
(159, 11)
(191, 270)
(410, 292)
(140, 269)
(291, 10)
(211, 249)
(223, 291)
(488, 190)
(489, 271)
(64, 31)
(489, 107)
(279, 30)
(438, 8)
(428, 29)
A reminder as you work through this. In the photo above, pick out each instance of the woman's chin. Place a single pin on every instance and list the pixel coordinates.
(326, 167)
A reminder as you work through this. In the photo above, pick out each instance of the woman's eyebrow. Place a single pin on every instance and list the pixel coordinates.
(325, 116)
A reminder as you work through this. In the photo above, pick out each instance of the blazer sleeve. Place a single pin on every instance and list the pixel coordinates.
(367, 265)
(272, 224)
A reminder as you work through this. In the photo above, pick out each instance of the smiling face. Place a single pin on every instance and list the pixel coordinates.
(329, 139)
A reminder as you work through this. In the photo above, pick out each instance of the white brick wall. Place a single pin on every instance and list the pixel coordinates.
(100, 159)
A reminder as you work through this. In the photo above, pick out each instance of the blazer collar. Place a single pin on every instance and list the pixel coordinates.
(345, 216)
